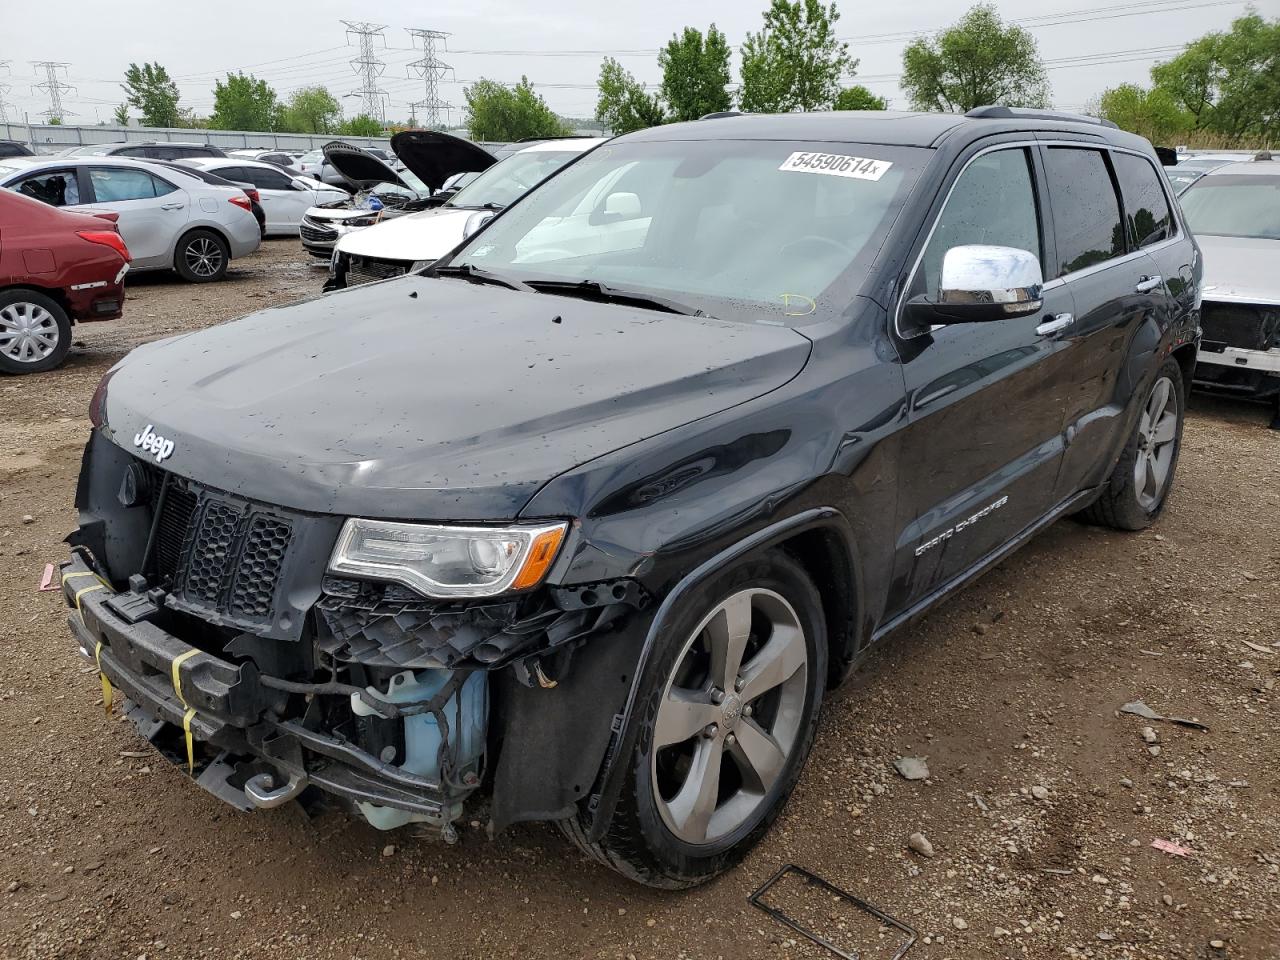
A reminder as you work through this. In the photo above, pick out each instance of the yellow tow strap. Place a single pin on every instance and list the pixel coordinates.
(190, 712)
(107, 695)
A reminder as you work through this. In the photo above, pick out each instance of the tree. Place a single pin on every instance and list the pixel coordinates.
(150, 90)
(1229, 83)
(362, 126)
(795, 62)
(121, 115)
(311, 110)
(976, 62)
(509, 113)
(1149, 113)
(695, 73)
(859, 97)
(622, 104)
(243, 103)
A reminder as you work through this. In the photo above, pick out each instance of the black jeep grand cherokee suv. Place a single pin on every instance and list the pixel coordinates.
(590, 515)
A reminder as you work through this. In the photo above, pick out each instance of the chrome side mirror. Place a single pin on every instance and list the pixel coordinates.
(980, 284)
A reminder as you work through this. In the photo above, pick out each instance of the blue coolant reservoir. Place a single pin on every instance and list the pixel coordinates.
(467, 713)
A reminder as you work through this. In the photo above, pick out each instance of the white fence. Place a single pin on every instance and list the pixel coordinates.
(52, 138)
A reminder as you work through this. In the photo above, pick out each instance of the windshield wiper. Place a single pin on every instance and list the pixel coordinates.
(595, 290)
(468, 271)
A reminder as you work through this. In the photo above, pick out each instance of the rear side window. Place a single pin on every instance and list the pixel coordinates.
(992, 202)
(232, 173)
(265, 179)
(58, 189)
(1146, 210)
(116, 184)
(1086, 211)
(132, 152)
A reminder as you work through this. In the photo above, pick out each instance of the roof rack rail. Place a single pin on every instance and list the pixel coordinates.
(1001, 112)
(720, 114)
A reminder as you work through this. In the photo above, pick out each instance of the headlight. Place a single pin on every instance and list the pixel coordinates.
(447, 561)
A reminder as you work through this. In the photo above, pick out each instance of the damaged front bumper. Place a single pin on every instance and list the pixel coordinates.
(242, 747)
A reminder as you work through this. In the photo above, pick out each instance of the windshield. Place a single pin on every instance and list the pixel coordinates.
(507, 179)
(412, 180)
(312, 156)
(739, 229)
(1234, 205)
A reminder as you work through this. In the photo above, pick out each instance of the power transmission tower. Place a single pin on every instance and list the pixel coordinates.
(4, 88)
(369, 67)
(432, 70)
(53, 87)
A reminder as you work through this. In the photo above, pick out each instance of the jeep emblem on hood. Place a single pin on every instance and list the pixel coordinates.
(151, 442)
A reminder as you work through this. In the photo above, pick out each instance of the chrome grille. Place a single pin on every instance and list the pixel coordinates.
(317, 233)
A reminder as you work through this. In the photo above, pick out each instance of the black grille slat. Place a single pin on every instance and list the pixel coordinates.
(263, 553)
(217, 552)
(210, 558)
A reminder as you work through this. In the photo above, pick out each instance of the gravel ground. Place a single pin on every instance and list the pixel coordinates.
(1041, 807)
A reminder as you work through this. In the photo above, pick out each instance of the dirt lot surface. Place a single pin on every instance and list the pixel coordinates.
(1041, 807)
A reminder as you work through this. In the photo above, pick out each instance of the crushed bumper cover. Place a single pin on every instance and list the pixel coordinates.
(234, 721)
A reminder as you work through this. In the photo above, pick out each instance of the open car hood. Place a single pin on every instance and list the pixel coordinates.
(362, 170)
(434, 157)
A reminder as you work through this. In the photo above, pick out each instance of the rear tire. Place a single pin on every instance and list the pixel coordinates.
(720, 745)
(35, 332)
(1139, 486)
(201, 257)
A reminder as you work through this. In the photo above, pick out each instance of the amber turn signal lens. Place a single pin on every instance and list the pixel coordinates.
(544, 550)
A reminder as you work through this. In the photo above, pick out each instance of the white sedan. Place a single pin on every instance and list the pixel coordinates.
(284, 197)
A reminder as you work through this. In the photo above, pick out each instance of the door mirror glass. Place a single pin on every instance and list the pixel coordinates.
(981, 283)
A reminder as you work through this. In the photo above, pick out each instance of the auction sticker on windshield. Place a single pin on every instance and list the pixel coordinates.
(836, 165)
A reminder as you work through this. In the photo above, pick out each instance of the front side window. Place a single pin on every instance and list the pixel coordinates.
(739, 229)
(1086, 211)
(265, 179)
(1146, 209)
(117, 184)
(58, 188)
(992, 202)
(1234, 205)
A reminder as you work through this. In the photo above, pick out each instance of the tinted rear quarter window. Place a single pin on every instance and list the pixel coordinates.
(1146, 208)
(1086, 211)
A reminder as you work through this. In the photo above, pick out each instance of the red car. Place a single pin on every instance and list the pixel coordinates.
(56, 268)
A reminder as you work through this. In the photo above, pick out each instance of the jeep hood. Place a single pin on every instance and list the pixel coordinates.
(435, 157)
(431, 398)
(1240, 269)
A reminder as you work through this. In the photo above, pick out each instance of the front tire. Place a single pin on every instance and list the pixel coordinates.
(1143, 476)
(201, 257)
(728, 711)
(35, 332)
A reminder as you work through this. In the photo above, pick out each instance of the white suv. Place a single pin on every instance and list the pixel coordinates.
(413, 241)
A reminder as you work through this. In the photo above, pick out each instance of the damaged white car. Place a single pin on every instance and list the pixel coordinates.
(379, 192)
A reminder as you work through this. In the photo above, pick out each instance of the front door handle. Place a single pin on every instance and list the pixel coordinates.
(1148, 284)
(1055, 324)
(172, 206)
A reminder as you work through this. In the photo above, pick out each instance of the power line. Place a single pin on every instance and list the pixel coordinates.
(369, 67)
(4, 88)
(52, 87)
(432, 70)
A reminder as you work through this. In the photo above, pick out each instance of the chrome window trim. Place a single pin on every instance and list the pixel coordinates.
(1056, 281)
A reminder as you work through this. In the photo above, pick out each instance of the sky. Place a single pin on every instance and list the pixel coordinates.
(1087, 45)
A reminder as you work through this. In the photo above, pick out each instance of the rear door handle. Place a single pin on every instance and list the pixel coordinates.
(1055, 324)
(172, 206)
(1148, 284)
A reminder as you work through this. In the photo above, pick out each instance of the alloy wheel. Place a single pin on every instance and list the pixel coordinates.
(730, 716)
(204, 257)
(1157, 430)
(28, 332)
